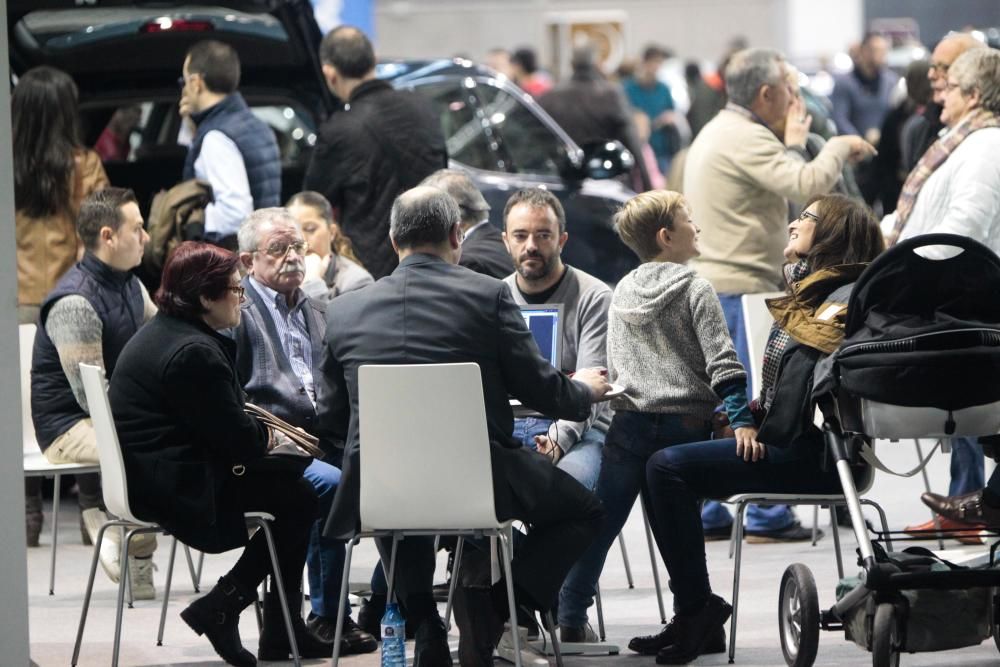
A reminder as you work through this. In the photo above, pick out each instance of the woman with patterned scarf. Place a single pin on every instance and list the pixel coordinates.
(955, 188)
(829, 246)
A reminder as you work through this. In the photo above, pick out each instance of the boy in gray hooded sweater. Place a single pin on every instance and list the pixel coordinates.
(669, 348)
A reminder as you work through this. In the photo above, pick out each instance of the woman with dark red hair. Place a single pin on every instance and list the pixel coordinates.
(191, 452)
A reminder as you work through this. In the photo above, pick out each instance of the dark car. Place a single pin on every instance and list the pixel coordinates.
(125, 54)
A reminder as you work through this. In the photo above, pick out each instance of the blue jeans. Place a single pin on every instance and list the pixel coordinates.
(631, 440)
(325, 557)
(677, 477)
(759, 519)
(967, 471)
(582, 462)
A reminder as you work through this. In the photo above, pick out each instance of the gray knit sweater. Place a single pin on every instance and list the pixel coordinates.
(668, 344)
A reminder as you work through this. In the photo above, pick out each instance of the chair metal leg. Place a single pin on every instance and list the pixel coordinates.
(927, 486)
(453, 582)
(338, 635)
(600, 612)
(122, 581)
(738, 551)
(276, 571)
(653, 562)
(390, 575)
(732, 539)
(123, 573)
(195, 573)
(506, 548)
(628, 567)
(815, 532)
(86, 595)
(55, 534)
(835, 529)
(553, 633)
(882, 520)
(166, 590)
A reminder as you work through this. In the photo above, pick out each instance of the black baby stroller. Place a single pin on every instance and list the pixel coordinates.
(920, 358)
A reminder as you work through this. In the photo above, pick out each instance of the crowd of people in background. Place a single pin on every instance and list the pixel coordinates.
(281, 306)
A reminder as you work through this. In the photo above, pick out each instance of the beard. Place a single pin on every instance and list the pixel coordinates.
(546, 264)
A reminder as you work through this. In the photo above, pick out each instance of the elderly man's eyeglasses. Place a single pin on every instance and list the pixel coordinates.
(279, 249)
(951, 85)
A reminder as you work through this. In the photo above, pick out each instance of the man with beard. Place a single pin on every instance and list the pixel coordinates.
(278, 343)
(535, 233)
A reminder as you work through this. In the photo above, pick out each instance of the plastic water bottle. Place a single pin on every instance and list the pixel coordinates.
(393, 637)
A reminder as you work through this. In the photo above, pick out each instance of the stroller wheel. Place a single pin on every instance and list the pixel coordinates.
(798, 616)
(885, 637)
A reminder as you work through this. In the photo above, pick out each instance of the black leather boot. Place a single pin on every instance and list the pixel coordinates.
(274, 637)
(217, 616)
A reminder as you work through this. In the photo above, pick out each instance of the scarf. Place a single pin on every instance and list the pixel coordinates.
(778, 338)
(933, 158)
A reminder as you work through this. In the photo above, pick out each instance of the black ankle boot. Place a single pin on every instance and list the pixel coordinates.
(217, 616)
(274, 637)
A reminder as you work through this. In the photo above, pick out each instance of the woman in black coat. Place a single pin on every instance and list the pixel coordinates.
(192, 455)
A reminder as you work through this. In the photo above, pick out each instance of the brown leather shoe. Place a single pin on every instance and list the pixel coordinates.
(968, 508)
(963, 532)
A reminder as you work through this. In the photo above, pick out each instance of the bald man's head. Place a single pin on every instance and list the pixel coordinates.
(348, 50)
(945, 53)
(422, 216)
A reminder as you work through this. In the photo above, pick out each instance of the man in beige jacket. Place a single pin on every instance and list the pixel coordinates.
(740, 173)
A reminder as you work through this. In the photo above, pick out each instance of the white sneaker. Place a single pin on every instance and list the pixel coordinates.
(140, 575)
(111, 547)
(505, 648)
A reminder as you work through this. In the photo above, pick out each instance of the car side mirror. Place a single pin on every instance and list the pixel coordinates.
(607, 159)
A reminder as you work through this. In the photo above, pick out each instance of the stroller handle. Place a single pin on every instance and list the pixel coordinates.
(951, 240)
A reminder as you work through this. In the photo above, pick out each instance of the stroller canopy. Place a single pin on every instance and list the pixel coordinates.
(923, 332)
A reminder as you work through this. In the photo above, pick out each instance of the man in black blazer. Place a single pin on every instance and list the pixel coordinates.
(483, 250)
(429, 310)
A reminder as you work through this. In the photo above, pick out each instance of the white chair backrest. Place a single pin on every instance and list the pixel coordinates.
(757, 322)
(26, 333)
(425, 452)
(109, 452)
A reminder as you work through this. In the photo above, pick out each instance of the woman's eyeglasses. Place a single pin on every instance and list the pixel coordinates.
(807, 215)
(238, 290)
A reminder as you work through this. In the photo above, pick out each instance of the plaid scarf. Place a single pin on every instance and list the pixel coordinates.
(777, 339)
(933, 158)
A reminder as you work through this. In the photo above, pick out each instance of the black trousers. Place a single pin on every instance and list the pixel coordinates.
(563, 518)
(293, 503)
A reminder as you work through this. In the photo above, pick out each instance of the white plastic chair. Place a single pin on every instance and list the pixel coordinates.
(115, 489)
(35, 463)
(416, 482)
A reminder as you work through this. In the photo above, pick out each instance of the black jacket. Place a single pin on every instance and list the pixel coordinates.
(483, 251)
(178, 408)
(429, 311)
(382, 143)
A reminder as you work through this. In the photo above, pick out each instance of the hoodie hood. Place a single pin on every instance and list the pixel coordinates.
(643, 293)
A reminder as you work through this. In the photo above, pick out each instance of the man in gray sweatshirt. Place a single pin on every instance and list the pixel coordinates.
(535, 233)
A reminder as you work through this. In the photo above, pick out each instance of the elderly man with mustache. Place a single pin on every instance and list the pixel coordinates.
(278, 343)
